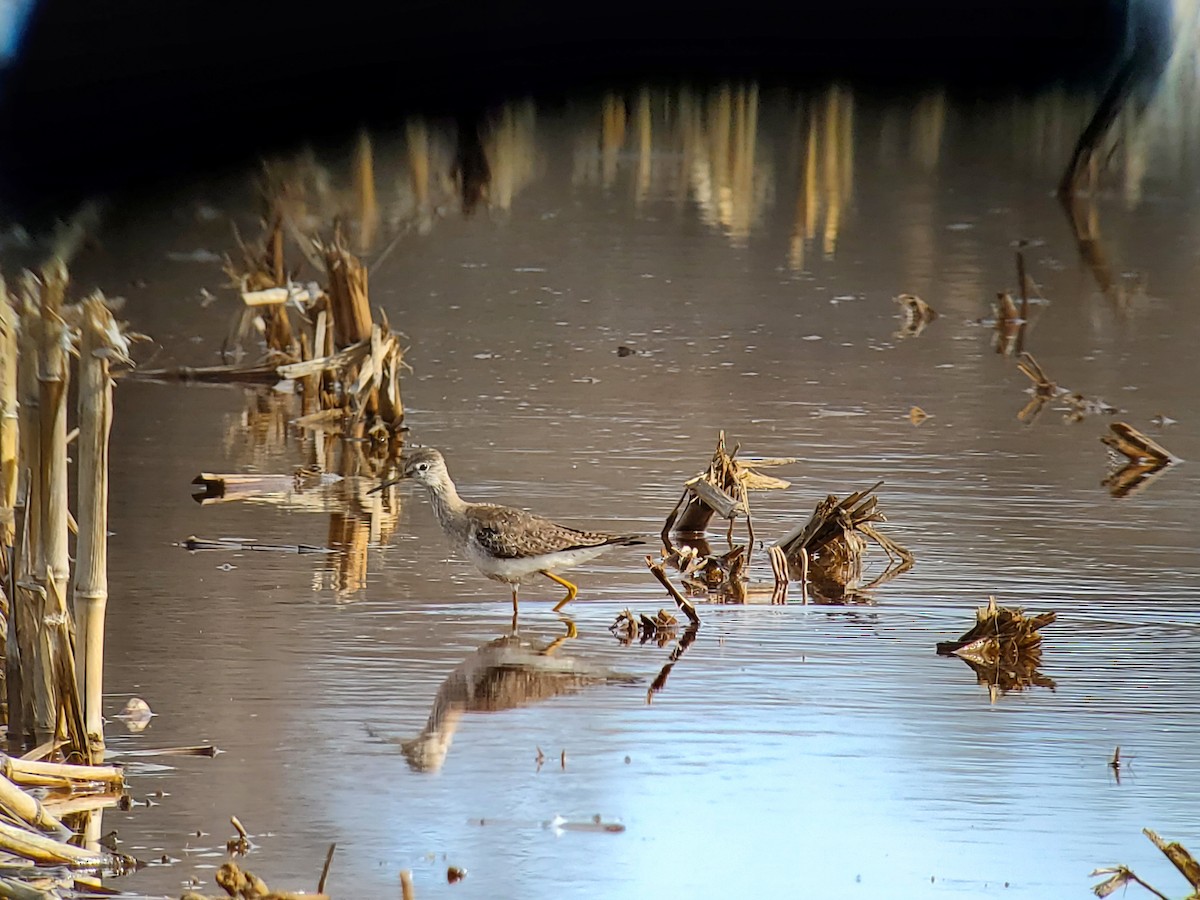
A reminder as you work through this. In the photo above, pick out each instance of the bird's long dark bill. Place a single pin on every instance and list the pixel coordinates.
(386, 484)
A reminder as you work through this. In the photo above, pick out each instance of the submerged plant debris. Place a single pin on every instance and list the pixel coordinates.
(196, 544)
(660, 628)
(1075, 406)
(1004, 648)
(917, 315)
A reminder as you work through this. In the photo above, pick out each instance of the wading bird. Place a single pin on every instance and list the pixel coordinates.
(504, 543)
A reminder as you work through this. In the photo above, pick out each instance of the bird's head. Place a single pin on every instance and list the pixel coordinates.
(425, 467)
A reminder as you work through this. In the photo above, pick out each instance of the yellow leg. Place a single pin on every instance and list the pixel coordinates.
(514, 624)
(572, 591)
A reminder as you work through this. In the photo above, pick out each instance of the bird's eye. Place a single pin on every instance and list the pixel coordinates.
(422, 467)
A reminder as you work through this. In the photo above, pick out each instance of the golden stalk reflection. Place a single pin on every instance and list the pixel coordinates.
(335, 480)
(716, 154)
(825, 175)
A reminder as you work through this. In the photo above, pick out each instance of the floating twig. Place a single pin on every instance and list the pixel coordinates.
(325, 868)
(1146, 459)
(1136, 446)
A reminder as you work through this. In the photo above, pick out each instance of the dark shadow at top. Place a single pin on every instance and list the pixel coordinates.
(103, 96)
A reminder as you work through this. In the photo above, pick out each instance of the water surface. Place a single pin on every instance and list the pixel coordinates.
(747, 246)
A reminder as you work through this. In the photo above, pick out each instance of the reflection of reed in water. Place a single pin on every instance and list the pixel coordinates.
(1161, 135)
(612, 136)
(262, 436)
(360, 523)
(826, 167)
(503, 674)
(730, 185)
(643, 119)
(511, 147)
(928, 127)
(684, 145)
(367, 206)
(261, 431)
(394, 185)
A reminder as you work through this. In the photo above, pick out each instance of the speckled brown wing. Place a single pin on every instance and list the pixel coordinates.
(507, 533)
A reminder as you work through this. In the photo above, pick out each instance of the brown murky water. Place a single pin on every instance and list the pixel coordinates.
(747, 246)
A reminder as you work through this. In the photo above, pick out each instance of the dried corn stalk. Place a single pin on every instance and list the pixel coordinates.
(722, 489)
(826, 553)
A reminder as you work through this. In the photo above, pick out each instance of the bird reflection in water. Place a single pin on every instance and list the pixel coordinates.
(507, 673)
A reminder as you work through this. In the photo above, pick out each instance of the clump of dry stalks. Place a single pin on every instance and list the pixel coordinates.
(1123, 876)
(346, 365)
(825, 554)
(320, 345)
(1004, 648)
(53, 624)
(321, 339)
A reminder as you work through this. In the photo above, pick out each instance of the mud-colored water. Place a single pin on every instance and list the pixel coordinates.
(747, 247)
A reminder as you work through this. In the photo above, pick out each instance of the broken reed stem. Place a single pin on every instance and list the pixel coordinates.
(9, 433)
(29, 809)
(83, 803)
(325, 868)
(1093, 135)
(29, 771)
(347, 295)
(9, 469)
(681, 601)
(1179, 857)
(91, 569)
(51, 564)
(48, 851)
(25, 685)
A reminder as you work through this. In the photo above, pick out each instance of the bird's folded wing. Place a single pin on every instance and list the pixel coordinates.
(511, 534)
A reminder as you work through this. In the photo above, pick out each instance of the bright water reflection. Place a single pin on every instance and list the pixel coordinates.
(746, 245)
